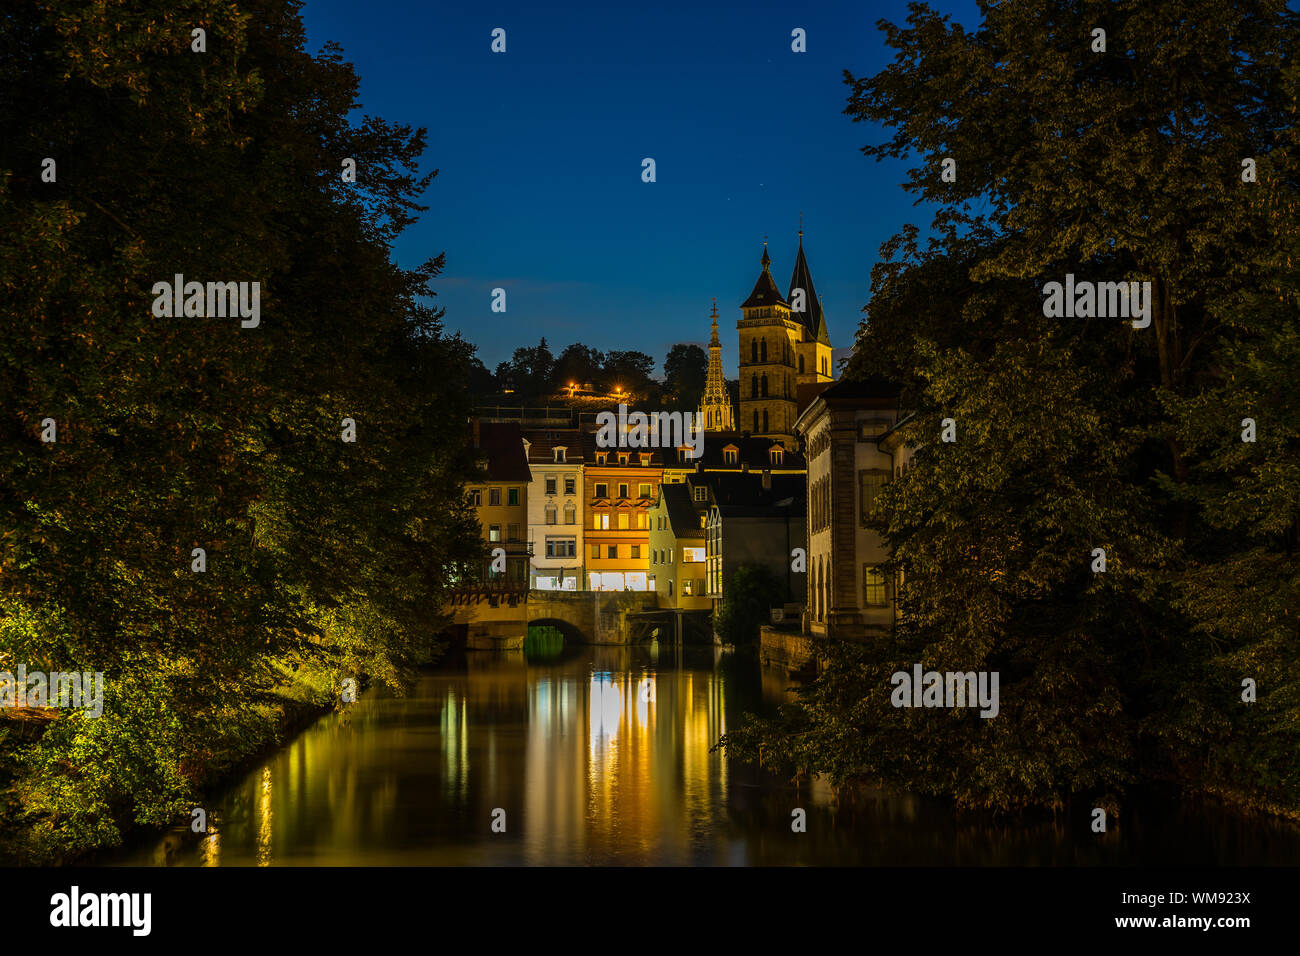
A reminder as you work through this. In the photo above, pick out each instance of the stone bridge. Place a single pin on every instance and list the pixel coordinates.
(584, 617)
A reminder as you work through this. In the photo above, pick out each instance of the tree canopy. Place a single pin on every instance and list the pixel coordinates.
(1173, 448)
(323, 558)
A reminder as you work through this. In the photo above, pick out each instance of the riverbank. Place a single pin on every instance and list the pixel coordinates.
(18, 730)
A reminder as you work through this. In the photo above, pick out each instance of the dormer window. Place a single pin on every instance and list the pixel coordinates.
(622, 459)
(730, 455)
(600, 457)
(645, 460)
(776, 454)
(559, 455)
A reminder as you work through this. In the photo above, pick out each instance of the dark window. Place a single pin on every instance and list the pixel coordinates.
(870, 482)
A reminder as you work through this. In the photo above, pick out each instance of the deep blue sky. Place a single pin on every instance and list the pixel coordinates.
(539, 151)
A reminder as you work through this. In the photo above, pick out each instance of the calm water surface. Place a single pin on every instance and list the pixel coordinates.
(603, 757)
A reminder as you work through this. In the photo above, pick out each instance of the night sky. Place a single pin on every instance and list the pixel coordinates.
(540, 149)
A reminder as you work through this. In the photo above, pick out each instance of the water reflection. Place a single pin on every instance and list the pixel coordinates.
(604, 757)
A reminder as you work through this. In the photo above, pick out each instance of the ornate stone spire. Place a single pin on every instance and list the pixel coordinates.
(715, 412)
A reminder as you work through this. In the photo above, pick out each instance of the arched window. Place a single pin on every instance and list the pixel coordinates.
(762, 351)
(765, 414)
(756, 421)
(817, 591)
(753, 349)
(765, 386)
(753, 386)
(826, 591)
(570, 514)
(800, 364)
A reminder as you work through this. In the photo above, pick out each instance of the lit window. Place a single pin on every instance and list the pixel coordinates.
(873, 586)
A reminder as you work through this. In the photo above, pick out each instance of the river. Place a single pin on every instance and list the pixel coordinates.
(603, 756)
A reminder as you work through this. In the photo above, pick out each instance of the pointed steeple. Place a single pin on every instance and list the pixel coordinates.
(811, 316)
(765, 290)
(715, 410)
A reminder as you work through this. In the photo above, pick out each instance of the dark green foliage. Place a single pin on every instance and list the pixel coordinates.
(747, 603)
(686, 371)
(1075, 434)
(325, 559)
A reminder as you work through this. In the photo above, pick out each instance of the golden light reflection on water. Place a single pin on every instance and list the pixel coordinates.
(264, 828)
(601, 758)
(210, 849)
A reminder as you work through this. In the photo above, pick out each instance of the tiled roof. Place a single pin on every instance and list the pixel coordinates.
(503, 445)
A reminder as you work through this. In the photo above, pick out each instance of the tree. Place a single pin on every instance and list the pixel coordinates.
(629, 371)
(1074, 435)
(322, 557)
(746, 604)
(481, 381)
(578, 365)
(530, 372)
(686, 371)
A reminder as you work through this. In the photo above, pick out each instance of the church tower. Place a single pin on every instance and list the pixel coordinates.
(769, 340)
(715, 411)
(814, 349)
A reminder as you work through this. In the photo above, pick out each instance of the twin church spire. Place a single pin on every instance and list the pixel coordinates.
(784, 343)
